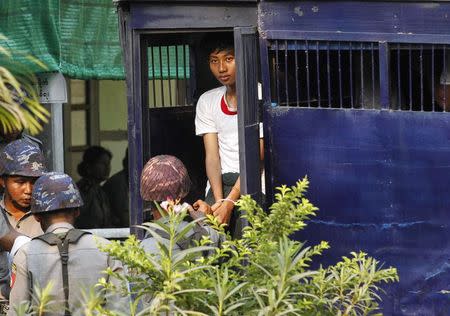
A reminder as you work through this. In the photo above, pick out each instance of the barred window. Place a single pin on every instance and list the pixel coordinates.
(342, 74)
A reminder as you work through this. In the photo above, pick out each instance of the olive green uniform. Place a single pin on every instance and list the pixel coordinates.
(28, 226)
(38, 263)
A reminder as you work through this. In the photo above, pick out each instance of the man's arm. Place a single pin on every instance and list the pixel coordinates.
(261, 152)
(222, 211)
(212, 164)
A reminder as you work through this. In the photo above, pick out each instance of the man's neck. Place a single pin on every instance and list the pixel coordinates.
(12, 209)
(231, 97)
(231, 90)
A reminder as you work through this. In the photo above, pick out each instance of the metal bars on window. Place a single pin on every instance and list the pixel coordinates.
(420, 79)
(342, 74)
(324, 74)
(169, 76)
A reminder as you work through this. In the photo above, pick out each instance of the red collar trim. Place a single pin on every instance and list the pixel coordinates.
(224, 107)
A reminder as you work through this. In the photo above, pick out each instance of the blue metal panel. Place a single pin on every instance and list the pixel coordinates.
(191, 16)
(380, 179)
(132, 56)
(391, 21)
(245, 45)
(135, 143)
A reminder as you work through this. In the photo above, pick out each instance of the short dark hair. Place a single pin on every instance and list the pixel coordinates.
(219, 41)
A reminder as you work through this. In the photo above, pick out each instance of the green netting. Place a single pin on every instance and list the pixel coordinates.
(78, 38)
(170, 61)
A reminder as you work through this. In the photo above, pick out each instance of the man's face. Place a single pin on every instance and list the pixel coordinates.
(443, 96)
(102, 168)
(223, 66)
(18, 190)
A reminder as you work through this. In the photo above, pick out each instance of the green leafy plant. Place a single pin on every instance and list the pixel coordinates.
(19, 101)
(263, 273)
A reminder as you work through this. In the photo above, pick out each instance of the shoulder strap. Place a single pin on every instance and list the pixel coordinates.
(49, 238)
(71, 237)
(74, 235)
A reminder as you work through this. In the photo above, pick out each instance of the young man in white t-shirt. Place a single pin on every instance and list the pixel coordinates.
(216, 122)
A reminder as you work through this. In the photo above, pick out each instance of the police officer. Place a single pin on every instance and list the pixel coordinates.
(21, 163)
(67, 257)
(7, 137)
(165, 178)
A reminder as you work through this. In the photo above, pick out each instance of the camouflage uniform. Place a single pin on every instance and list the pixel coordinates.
(19, 158)
(38, 262)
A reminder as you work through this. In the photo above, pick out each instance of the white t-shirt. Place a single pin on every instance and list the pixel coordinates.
(214, 116)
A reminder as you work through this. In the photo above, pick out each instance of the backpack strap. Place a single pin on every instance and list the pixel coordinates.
(74, 235)
(62, 242)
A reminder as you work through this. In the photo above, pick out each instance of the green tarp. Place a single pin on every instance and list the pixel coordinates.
(79, 38)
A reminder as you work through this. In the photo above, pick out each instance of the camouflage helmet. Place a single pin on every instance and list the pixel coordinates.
(22, 158)
(55, 191)
(164, 177)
